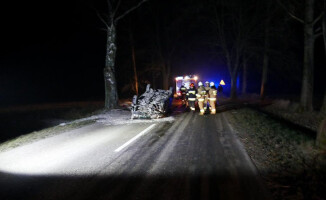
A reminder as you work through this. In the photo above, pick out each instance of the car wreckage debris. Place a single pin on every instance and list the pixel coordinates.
(152, 104)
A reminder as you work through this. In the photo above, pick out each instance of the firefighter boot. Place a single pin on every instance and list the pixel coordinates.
(192, 105)
(201, 107)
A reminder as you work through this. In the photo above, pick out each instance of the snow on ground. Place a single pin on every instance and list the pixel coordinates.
(72, 152)
(121, 116)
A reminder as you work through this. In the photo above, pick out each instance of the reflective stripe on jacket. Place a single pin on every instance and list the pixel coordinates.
(183, 90)
(212, 94)
(201, 93)
(191, 93)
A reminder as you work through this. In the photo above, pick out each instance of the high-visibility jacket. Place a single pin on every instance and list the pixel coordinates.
(183, 90)
(201, 93)
(212, 94)
(191, 94)
(207, 88)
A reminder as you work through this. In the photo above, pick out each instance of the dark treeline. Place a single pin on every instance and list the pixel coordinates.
(265, 47)
(265, 43)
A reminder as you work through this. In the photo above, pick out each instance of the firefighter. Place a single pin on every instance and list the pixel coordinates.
(206, 101)
(201, 94)
(183, 90)
(191, 96)
(212, 97)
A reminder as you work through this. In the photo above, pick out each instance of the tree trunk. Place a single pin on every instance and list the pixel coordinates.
(265, 62)
(323, 108)
(111, 93)
(234, 86)
(324, 26)
(244, 77)
(264, 76)
(166, 74)
(154, 80)
(134, 63)
(308, 63)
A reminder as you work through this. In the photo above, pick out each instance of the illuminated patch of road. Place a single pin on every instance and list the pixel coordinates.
(71, 153)
(135, 138)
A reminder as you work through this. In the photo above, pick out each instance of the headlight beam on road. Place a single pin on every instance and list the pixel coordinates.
(135, 138)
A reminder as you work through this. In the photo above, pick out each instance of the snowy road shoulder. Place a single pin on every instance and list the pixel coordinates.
(72, 151)
(106, 118)
(122, 116)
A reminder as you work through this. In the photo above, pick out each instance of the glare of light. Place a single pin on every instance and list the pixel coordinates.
(196, 78)
(50, 156)
(178, 78)
(187, 77)
(135, 138)
(222, 82)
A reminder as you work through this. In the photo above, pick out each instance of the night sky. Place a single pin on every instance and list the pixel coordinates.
(55, 51)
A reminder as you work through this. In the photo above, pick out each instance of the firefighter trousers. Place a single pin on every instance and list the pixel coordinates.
(191, 105)
(201, 106)
(212, 104)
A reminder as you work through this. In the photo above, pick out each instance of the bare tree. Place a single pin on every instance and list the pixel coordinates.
(165, 51)
(271, 28)
(133, 56)
(248, 55)
(111, 20)
(167, 35)
(323, 108)
(244, 75)
(234, 29)
(265, 58)
(310, 35)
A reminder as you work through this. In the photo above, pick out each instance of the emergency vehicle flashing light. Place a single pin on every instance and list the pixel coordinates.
(178, 78)
(184, 80)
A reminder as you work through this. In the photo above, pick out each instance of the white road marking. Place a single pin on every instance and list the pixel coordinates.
(135, 138)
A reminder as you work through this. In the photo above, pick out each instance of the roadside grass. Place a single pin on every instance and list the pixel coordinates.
(290, 111)
(287, 159)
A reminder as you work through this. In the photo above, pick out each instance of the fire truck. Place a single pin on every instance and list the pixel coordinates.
(185, 80)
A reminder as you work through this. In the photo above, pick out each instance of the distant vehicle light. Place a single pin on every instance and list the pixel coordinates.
(222, 82)
(185, 81)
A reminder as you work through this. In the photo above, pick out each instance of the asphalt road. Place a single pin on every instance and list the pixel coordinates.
(193, 157)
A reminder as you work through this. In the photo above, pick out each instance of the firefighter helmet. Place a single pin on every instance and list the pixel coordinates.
(200, 83)
(207, 83)
(211, 84)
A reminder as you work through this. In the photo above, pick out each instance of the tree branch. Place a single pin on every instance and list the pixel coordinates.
(103, 20)
(319, 17)
(116, 8)
(110, 8)
(103, 29)
(318, 29)
(318, 34)
(292, 15)
(130, 10)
